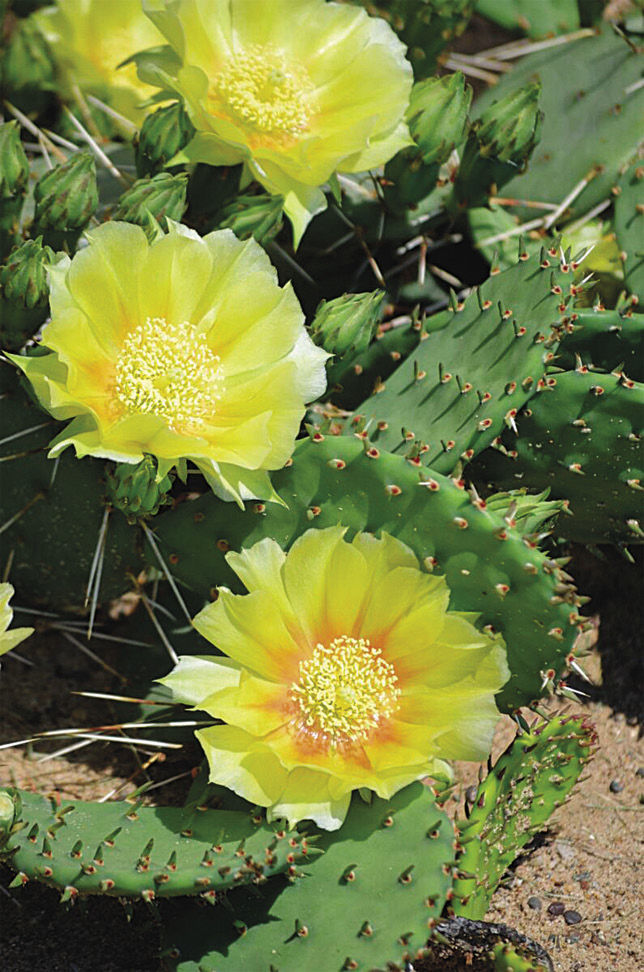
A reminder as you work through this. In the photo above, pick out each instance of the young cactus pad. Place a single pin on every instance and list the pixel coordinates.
(490, 567)
(129, 850)
(582, 439)
(531, 779)
(371, 898)
(464, 383)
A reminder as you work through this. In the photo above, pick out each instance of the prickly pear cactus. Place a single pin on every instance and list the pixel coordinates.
(465, 383)
(129, 850)
(370, 899)
(581, 438)
(531, 779)
(489, 565)
(629, 225)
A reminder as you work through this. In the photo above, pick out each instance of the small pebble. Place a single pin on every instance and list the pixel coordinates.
(534, 903)
(556, 908)
(616, 786)
(572, 917)
(470, 794)
(640, 772)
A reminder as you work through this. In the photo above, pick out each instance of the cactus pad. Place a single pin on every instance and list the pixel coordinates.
(371, 898)
(531, 779)
(128, 850)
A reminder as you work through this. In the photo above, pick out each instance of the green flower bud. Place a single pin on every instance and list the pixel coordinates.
(157, 196)
(260, 216)
(436, 116)
(14, 166)
(66, 198)
(138, 490)
(509, 129)
(14, 174)
(499, 145)
(163, 134)
(26, 67)
(24, 293)
(345, 327)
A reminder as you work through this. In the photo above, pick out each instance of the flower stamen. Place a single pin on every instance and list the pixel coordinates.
(346, 690)
(259, 88)
(168, 370)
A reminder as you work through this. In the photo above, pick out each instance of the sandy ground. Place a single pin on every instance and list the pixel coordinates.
(587, 862)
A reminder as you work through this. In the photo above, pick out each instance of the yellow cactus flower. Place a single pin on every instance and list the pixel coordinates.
(9, 639)
(345, 670)
(183, 348)
(296, 89)
(90, 38)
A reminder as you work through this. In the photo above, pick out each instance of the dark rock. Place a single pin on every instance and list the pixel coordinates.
(556, 908)
(572, 917)
(534, 903)
(616, 786)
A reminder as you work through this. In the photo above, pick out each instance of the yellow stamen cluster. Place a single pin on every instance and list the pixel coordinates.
(346, 690)
(168, 370)
(259, 87)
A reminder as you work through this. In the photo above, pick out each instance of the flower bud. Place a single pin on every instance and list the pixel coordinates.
(137, 489)
(14, 174)
(157, 196)
(436, 116)
(260, 216)
(66, 198)
(344, 327)
(499, 145)
(26, 69)
(163, 134)
(24, 293)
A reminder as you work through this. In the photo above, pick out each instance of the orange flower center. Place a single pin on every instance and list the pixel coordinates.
(259, 88)
(169, 371)
(346, 690)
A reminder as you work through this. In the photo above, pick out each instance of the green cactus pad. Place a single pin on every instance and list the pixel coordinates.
(602, 105)
(128, 850)
(606, 341)
(490, 568)
(465, 383)
(582, 439)
(371, 899)
(629, 226)
(538, 18)
(530, 780)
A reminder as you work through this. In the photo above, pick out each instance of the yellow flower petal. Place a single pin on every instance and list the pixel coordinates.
(251, 630)
(239, 762)
(9, 639)
(196, 677)
(255, 705)
(307, 796)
